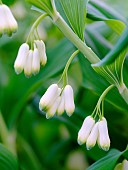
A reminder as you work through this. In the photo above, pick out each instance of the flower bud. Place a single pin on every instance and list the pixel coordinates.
(35, 62)
(85, 130)
(41, 48)
(8, 23)
(103, 138)
(28, 64)
(49, 97)
(52, 110)
(91, 140)
(69, 100)
(125, 165)
(21, 58)
(61, 106)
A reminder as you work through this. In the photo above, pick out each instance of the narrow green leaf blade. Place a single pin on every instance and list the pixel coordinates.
(7, 160)
(113, 54)
(108, 162)
(75, 11)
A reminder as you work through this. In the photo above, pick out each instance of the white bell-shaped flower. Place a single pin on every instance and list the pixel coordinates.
(103, 138)
(49, 97)
(42, 51)
(69, 100)
(85, 130)
(28, 64)
(52, 110)
(91, 140)
(35, 62)
(8, 23)
(61, 106)
(21, 58)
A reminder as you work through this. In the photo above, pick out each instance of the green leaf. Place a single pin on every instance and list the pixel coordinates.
(44, 5)
(113, 72)
(7, 160)
(76, 13)
(108, 162)
(95, 83)
(113, 54)
(113, 19)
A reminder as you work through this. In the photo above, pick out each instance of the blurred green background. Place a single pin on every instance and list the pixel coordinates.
(42, 144)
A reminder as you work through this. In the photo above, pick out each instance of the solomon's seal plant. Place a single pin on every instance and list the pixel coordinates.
(59, 97)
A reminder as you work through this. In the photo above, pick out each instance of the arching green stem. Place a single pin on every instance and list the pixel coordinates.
(35, 25)
(64, 75)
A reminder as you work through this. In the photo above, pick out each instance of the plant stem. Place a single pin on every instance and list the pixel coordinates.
(104, 94)
(35, 25)
(67, 31)
(64, 74)
(124, 92)
(7, 137)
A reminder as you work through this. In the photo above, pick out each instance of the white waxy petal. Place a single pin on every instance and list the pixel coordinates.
(85, 130)
(49, 97)
(28, 64)
(7, 19)
(61, 106)
(21, 58)
(125, 165)
(91, 140)
(52, 110)
(3, 23)
(42, 52)
(69, 100)
(35, 62)
(103, 138)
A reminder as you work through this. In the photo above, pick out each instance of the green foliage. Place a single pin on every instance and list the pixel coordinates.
(7, 160)
(76, 13)
(47, 144)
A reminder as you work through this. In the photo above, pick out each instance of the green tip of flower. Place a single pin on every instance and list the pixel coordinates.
(79, 142)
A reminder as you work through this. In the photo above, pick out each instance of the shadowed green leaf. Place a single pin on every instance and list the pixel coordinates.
(108, 162)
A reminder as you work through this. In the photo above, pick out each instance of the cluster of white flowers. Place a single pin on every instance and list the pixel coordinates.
(29, 60)
(56, 100)
(92, 132)
(8, 24)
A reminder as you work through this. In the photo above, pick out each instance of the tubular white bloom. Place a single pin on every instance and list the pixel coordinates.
(125, 165)
(42, 53)
(69, 100)
(52, 110)
(91, 140)
(61, 106)
(8, 22)
(103, 138)
(85, 130)
(35, 62)
(28, 64)
(49, 97)
(21, 58)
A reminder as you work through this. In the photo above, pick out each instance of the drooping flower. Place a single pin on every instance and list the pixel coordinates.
(49, 97)
(91, 140)
(21, 58)
(103, 137)
(55, 101)
(85, 130)
(42, 51)
(8, 23)
(36, 62)
(30, 65)
(69, 100)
